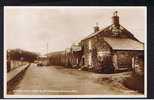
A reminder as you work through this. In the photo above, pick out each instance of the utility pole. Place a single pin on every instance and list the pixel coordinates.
(47, 47)
(46, 59)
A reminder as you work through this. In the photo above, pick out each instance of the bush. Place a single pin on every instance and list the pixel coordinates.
(135, 82)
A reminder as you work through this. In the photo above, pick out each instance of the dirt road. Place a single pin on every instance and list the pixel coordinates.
(57, 80)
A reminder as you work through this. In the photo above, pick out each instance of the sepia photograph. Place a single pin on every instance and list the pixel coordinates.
(80, 52)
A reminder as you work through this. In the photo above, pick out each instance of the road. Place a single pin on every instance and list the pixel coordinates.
(57, 80)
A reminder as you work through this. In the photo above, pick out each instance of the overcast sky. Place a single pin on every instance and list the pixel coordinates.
(31, 28)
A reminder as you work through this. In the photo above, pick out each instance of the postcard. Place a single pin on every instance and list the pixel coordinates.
(80, 52)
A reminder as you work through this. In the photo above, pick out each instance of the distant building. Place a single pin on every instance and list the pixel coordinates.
(111, 48)
(57, 58)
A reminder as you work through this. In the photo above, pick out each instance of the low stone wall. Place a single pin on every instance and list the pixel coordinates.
(13, 64)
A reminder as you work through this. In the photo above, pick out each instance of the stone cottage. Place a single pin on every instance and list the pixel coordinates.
(110, 49)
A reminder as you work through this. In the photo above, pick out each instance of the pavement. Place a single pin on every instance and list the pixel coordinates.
(13, 73)
(57, 80)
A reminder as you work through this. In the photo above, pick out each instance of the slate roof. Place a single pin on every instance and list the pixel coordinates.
(124, 43)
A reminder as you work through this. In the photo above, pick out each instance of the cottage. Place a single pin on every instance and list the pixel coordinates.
(110, 49)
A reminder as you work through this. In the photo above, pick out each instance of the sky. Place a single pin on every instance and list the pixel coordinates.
(32, 28)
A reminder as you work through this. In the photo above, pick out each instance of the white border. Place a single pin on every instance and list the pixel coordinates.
(79, 96)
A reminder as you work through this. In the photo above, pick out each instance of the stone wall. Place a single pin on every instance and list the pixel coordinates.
(13, 64)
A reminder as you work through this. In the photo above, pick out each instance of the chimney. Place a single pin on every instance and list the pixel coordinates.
(115, 19)
(96, 28)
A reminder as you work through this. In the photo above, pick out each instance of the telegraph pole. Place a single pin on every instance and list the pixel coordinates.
(47, 47)
(46, 55)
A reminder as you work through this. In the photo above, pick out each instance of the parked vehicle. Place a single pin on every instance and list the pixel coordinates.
(39, 64)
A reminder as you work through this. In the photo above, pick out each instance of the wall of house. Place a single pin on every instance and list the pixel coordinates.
(85, 57)
(125, 58)
(139, 65)
(95, 51)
